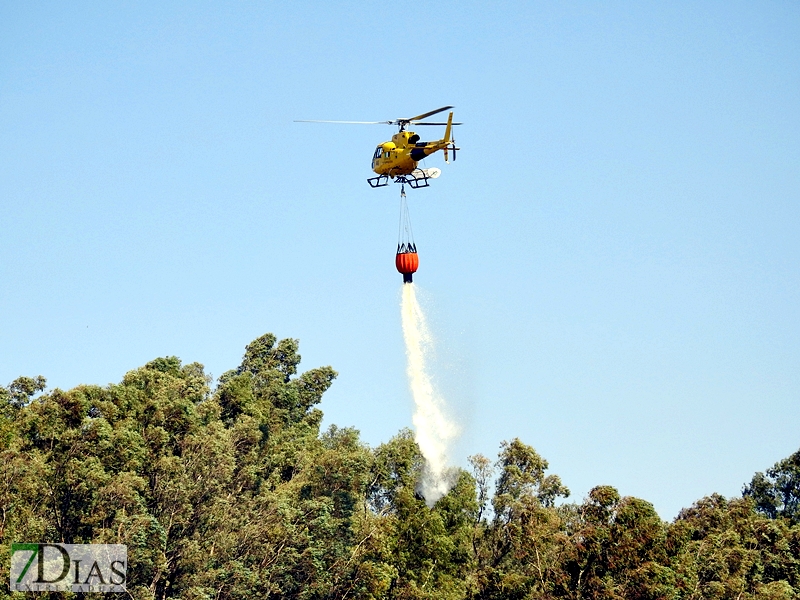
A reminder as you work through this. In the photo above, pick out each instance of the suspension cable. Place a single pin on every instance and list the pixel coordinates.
(405, 234)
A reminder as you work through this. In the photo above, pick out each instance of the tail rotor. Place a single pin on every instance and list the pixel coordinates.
(450, 146)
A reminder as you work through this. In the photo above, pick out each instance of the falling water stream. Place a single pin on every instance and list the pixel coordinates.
(434, 431)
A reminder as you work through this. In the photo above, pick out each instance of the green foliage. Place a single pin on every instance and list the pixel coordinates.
(19, 392)
(618, 549)
(522, 477)
(725, 549)
(232, 492)
(777, 493)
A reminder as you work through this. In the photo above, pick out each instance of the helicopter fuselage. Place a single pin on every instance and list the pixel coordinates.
(401, 155)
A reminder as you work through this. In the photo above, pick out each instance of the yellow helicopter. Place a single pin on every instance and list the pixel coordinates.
(397, 159)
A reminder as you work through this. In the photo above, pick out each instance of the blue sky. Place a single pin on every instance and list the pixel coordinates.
(610, 266)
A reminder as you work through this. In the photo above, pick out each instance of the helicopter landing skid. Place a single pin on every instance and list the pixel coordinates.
(379, 181)
(413, 182)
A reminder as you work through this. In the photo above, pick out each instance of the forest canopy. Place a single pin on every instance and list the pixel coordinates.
(230, 490)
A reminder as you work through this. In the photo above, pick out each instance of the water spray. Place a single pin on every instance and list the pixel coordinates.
(433, 429)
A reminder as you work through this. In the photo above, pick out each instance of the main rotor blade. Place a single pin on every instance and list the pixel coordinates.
(427, 114)
(349, 122)
(415, 124)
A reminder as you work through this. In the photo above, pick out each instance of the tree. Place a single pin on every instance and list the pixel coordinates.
(234, 493)
(616, 549)
(723, 548)
(519, 553)
(777, 493)
(20, 391)
(522, 477)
